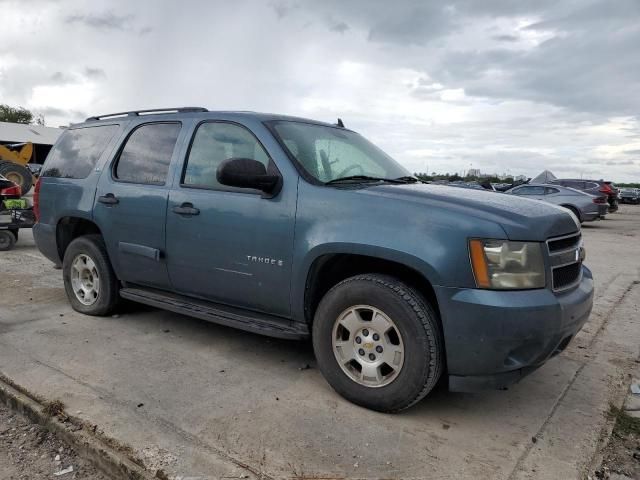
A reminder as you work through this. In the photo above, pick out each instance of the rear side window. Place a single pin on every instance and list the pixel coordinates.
(147, 154)
(550, 190)
(78, 151)
(529, 191)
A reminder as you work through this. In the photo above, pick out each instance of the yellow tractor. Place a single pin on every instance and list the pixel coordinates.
(13, 161)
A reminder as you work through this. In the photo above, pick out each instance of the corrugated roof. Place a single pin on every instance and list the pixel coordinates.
(20, 132)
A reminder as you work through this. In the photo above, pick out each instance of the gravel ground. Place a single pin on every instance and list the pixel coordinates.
(29, 451)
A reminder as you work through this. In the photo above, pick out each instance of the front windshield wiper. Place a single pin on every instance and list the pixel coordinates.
(363, 178)
(408, 179)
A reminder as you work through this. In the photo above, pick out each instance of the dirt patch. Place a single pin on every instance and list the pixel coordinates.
(622, 455)
(29, 451)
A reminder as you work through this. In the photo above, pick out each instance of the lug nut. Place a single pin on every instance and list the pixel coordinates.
(379, 349)
(358, 340)
(361, 352)
(372, 356)
(365, 332)
(376, 337)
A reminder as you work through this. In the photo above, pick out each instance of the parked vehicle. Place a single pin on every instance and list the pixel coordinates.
(630, 195)
(594, 187)
(295, 228)
(15, 213)
(584, 206)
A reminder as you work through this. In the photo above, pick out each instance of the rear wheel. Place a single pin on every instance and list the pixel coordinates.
(378, 342)
(7, 240)
(17, 174)
(89, 280)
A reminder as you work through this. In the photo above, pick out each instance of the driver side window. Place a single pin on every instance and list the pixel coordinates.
(213, 143)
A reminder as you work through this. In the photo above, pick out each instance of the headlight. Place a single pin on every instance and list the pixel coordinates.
(503, 265)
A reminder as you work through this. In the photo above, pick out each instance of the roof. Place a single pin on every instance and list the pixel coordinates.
(22, 132)
(197, 112)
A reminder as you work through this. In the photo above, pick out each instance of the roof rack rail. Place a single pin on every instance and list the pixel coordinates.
(135, 113)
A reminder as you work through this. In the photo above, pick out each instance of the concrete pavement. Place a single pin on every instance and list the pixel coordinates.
(199, 400)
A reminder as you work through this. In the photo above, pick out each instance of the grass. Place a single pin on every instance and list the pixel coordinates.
(625, 423)
(55, 408)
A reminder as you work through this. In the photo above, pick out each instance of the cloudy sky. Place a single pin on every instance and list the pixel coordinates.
(504, 86)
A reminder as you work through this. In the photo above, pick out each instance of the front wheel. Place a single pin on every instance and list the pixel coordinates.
(89, 280)
(378, 342)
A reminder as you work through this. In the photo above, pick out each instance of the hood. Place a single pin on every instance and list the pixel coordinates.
(522, 219)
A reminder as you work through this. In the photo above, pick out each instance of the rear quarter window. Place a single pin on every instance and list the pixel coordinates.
(78, 151)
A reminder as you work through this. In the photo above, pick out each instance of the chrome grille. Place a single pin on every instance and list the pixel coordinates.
(565, 258)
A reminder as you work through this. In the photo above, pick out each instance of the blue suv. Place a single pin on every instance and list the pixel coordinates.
(295, 228)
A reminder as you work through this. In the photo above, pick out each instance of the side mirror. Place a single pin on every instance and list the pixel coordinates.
(246, 173)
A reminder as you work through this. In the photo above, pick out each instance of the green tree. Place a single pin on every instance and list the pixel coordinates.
(19, 115)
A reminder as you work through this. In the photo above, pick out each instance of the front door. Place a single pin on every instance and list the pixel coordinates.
(230, 245)
(131, 204)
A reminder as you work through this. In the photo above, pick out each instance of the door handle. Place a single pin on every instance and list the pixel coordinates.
(186, 209)
(108, 199)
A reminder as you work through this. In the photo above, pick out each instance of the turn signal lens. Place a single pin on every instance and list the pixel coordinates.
(479, 263)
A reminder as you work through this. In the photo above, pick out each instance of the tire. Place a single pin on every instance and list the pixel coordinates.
(416, 331)
(92, 268)
(7, 240)
(15, 232)
(17, 174)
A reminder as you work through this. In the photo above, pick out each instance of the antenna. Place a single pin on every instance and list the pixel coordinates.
(340, 124)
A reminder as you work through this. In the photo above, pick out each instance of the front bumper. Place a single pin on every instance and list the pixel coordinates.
(494, 338)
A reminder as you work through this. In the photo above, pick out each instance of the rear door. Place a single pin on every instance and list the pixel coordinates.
(131, 203)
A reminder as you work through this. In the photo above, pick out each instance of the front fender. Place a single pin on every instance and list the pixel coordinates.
(301, 274)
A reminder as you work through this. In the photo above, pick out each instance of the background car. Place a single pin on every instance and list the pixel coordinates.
(594, 187)
(630, 195)
(585, 207)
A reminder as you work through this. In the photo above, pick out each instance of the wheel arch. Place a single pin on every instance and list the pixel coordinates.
(330, 267)
(69, 228)
(573, 209)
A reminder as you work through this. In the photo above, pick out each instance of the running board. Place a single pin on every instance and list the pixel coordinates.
(224, 315)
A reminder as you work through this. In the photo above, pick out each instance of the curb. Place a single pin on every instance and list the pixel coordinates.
(104, 457)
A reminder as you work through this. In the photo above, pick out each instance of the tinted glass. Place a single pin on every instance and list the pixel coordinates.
(147, 154)
(328, 153)
(214, 143)
(77, 152)
(529, 191)
(550, 190)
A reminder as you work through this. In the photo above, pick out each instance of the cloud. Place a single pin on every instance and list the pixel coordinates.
(94, 73)
(506, 38)
(283, 8)
(505, 86)
(338, 27)
(102, 21)
(623, 162)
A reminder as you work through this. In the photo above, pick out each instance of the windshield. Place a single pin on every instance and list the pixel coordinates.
(331, 153)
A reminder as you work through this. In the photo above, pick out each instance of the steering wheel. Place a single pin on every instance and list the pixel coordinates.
(349, 168)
